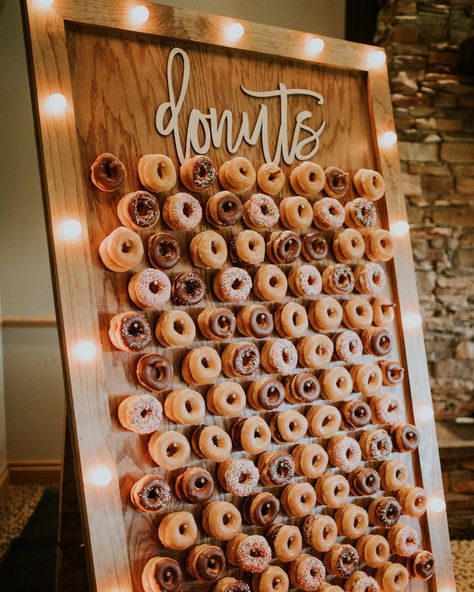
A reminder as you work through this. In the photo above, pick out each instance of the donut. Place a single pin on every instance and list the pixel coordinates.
(270, 283)
(361, 582)
(266, 393)
(352, 521)
(412, 501)
(376, 341)
(217, 324)
(175, 328)
(185, 406)
(157, 172)
(328, 214)
(379, 245)
(150, 288)
(366, 378)
(305, 281)
(314, 247)
(221, 520)
(279, 356)
(310, 460)
(260, 212)
(348, 246)
(298, 499)
(238, 476)
(261, 509)
(151, 493)
(163, 250)
(341, 560)
(108, 172)
(315, 351)
(373, 549)
(383, 311)
(386, 409)
(272, 579)
(249, 552)
(283, 247)
(392, 577)
(138, 210)
(384, 511)
(231, 585)
(336, 383)
(403, 539)
(307, 573)
(285, 541)
(241, 359)
(421, 565)
(392, 372)
(291, 320)
(323, 421)
(161, 574)
(337, 182)
(301, 388)
(364, 481)
(226, 399)
(141, 414)
(332, 490)
(208, 250)
(247, 249)
(194, 486)
(255, 320)
(198, 173)
(360, 213)
(205, 563)
(182, 211)
(325, 314)
(223, 209)
(327, 587)
(344, 453)
(307, 179)
(393, 474)
(201, 366)
(187, 288)
(130, 331)
(369, 184)
(178, 531)
(357, 313)
(405, 437)
(154, 372)
(121, 250)
(211, 442)
(288, 426)
(375, 445)
(369, 278)
(237, 175)
(355, 414)
(338, 279)
(348, 347)
(296, 213)
(232, 285)
(169, 449)
(270, 178)
(320, 531)
(276, 468)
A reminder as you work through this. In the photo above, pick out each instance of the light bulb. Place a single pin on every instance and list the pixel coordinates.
(139, 15)
(315, 45)
(56, 103)
(70, 229)
(412, 320)
(100, 476)
(436, 504)
(234, 32)
(376, 58)
(424, 412)
(84, 351)
(44, 3)
(400, 228)
(388, 139)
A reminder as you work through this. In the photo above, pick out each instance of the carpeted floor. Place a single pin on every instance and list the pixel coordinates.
(27, 562)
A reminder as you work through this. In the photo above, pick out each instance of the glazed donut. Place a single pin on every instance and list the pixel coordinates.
(375, 445)
(301, 388)
(360, 213)
(392, 577)
(238, 476)
(336, 383)
(348, 246)
(392, 372)
(141, 414)
(384, 512)
(175, 328)
(107, 172)
(208, 250)
(323, 421)
(223, 209)
(337, 182)
(270, 178)
(320, 531)
(376, 341)
(255, 320)
(266, 393)
(369, 184)
(386, 409)
(130, 331)
(232, 285)
(270, 283)
(307, 573)
(315, 351)
(352, 521)
(393, 474)
(217, 324)
(338, 279)
(367, 379)
(261, 509)
(369, 278)
(237, 174)
(198, 173)
(169, 449)
(285, 541)
(412, 501)
(310, 460)
(211, 442)
(221, 520)
(383, 311)
(240, 359)
(194, 486)
(260, 212)
(361, 582)
(272, 579)
(138, 210)
(344, 453)
(379, 245)
(364, 481)
(355, 414)
(298, 499)
(305, 281)
(276, 468)
(405, 437)
(121, 250)
(341, 560)
(157, 172)
(247, 249)
(201, 366)
(307, 179)
(185, 406)
(249, 552)
(328, 214)
(226, 399)
(332, 490)
(288, 426)
(150, 493)
(373, 549)
(296, 213)
(325, 314)
(149, 288)
(251, 434)
(161, 574)
(314, 247)
(187, 288)
(421, 565)
(205, 563)
(291, 320)
(356, 313)
(154, 372)
(231, 585)
(178, 531)
(347, 347)
(163, 250)
(182, 211)
(403, 539)
(283, 247)
(327, 587)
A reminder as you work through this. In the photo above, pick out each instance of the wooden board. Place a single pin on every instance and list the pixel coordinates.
(113, 75)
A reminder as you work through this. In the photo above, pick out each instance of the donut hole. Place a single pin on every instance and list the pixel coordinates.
(326, 532)
(266, 509)
(311, 280)
(313, 572)
(392, 407)
(243, 477)
(143, 207)
(283, 470)
(360, 412)
(392, 511)
(154, 287)
(164, 249)
(214, 249)
(292, 426)
(296, 318)
(182, 528)
(273, 281)
(340, 383)
(158, 372)
(261, 319)
(145, 413)
(215, 441)
(264, 210)
(200, 483)
(331, 312)
(379, 550)
(126, 247)
(178, 326)
(301, 209)
(273, 394)
(286, 355)
(243, 171)
(202, 171)
(353, 347)
(276, 582)
(419, 501)
(191, 287)
(168, 577)
(231, 399)
(308, 387)
(326, 420)
(226, 519)
(248, 359)
(205, 362)
(223, 322)
(171, 449)
(251, 245)
(256, 552)
(136, 329)
(189, 406)
(228, 206)
(397, 578)
(153, 494)
(257, 434)
(360, 311)
(332, 210)
(211, 563)
(187, 210)
(236, 284)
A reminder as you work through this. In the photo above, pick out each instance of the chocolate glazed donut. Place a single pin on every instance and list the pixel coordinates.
(168, 574)
(246, 359)
(364, 481)
(356, 414)
(260, 322)
(135, 331)
(194, 486)
(206, 563)
(163, 250)
(237, 586)
(107, 172)
(261, 509)
(284, 247)
(376, 341)
(270, 394)
(405, 437)
(314, 247)
(392, 372)
(187, 288)
(222, 323)
(385, 511)
(154, 372)
(337, 181)
(302, 388)
(223, 209)
(421, 565)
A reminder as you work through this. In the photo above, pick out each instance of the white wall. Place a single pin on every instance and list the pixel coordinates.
(32, 372)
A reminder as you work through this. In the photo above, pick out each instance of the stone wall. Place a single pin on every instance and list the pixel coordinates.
(433, 102)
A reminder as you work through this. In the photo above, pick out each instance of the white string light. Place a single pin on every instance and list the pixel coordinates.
(399, 228)
(56, 103)
(100, 476)
(424, 412)
(436, 504)
(139, 15)
(314, 45)
(84, 351)
(412, 320)
(44, 3)
(388, 139)
(376, 58)
(234, 32)
(70, 229)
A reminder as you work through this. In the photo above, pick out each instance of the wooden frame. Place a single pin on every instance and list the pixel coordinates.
(64, 187)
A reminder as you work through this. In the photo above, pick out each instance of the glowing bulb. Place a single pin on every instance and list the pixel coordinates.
(84, 351)
(139, 15)
(234, 31)
(436, 504)
(400, 228)
(424, 412)
(412, 320)
(388, 139)
(315, 45)
(376, 58)
(100, 476)
(70, 229)
(56, 103)
(44, 3)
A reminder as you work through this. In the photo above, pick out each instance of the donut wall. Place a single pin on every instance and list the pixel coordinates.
(248, 395)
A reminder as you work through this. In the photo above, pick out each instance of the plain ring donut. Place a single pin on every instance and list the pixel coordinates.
(369, 184)
(270, 178)
(237, 175)
(307, 179)
(157, 172)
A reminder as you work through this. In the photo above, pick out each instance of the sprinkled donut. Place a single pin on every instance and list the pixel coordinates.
(344, 453)
(223, 209)
(338, 279)
(121, 250)
(182, 211)
(369, 184)
(107, 172)
(161, 574)
(369, 278)
(307, 179)
(360, 213)
(187, 288)
(232, 285)
(276, 468)
(238, 476)
(237, 175)
(283, 247)
(157, 172)
(150, 288)
(314, 247)
(163, 250)
(260, 212)
(328, 214)
(240, 359)
(130, 331)
(384, 511)
(337, 182)
(279, 356)
(307, 573)
(151, 493)
(270, 178)
(305, 281)
(198, 173)
(249, 552)
(141, 414)
(138, 210)
(348, 347)
(154, 372)
(341, 560)
(376, 445)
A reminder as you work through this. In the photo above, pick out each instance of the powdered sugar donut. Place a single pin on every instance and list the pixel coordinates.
(182, 211)
(260, 211)
(150, 288)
